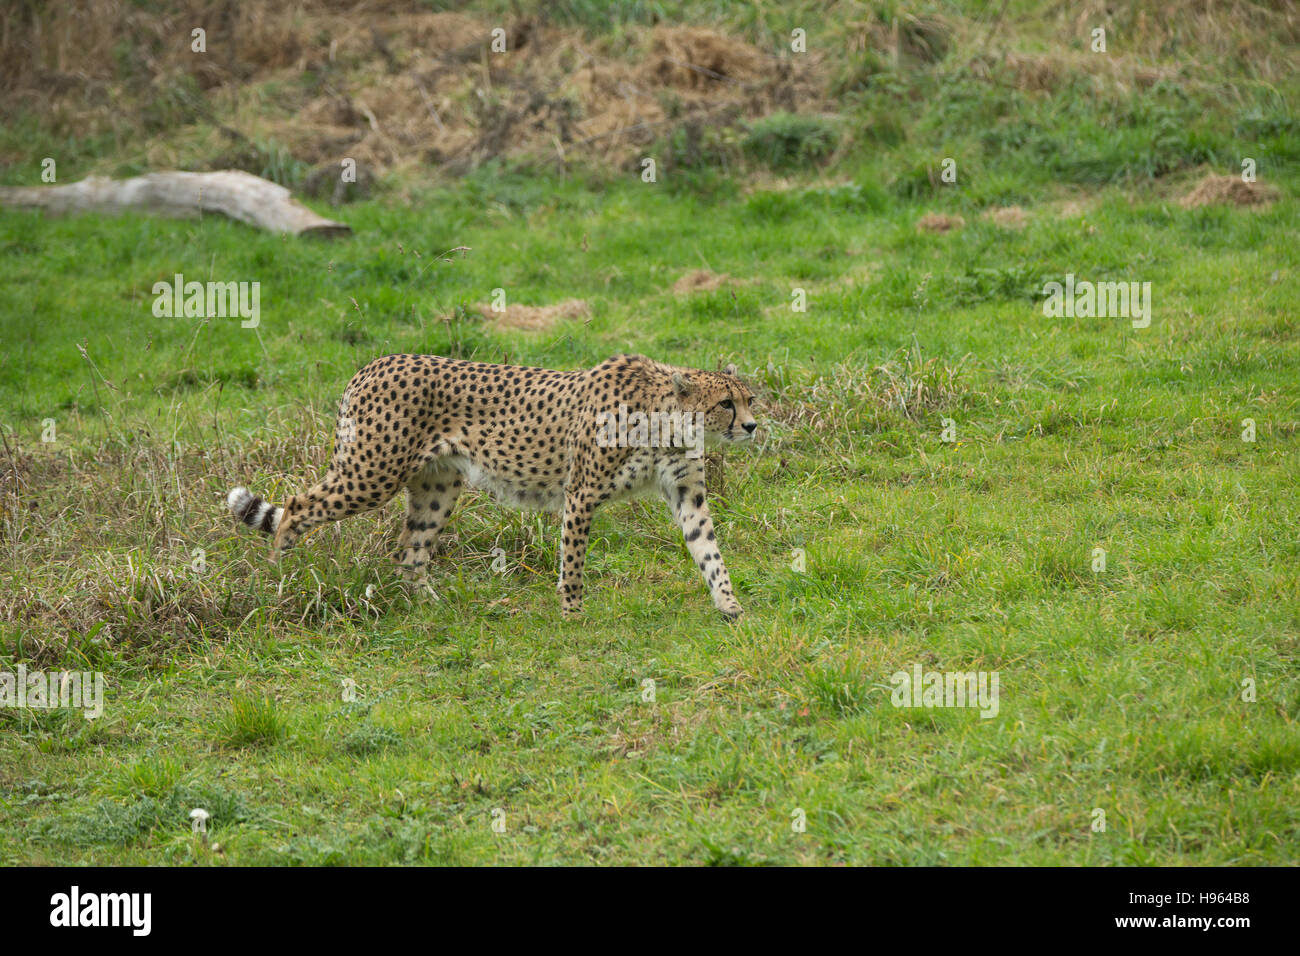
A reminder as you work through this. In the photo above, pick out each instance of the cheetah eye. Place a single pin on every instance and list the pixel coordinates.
(727, 404)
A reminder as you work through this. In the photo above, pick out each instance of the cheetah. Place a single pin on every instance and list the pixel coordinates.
(564, 442)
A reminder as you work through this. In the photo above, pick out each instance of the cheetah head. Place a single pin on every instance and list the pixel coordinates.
(721, 402)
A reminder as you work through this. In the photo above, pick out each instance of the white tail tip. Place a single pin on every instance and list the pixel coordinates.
(237, 498)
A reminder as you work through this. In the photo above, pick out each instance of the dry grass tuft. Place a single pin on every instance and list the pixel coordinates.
(904, 37)
(694, 58)
(1008, 217)
(533, 318)
(830, 410)
(126, 546)
(404, 88)
(1228, 191)
(939, 222)
(1071, 209)
(1051, 72)
(701, 280)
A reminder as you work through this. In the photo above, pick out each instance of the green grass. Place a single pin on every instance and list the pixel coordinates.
(1163, 690)
(1119, 690)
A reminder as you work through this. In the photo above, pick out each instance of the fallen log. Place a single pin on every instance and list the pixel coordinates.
(231, 192)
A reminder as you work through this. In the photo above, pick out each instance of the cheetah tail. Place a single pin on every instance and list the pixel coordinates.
(253, 511)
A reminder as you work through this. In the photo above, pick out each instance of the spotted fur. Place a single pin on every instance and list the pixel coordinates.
(528, 436)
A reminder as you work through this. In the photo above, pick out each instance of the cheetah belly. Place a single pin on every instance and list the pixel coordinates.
(517, 494)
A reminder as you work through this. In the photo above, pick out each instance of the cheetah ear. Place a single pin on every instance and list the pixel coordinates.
(730, 370)
(682, 384)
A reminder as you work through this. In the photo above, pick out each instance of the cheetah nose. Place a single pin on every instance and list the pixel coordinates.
(750, 426)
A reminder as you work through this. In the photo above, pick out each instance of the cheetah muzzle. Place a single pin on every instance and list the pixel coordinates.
(566, 442)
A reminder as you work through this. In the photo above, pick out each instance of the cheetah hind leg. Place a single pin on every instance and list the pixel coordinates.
(430, 497)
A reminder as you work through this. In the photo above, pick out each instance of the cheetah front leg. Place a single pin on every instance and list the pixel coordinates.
(578, 508)
(682, 484)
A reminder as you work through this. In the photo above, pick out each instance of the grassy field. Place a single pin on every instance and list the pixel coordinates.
(946, 458)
